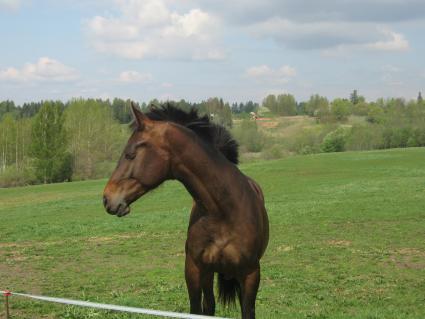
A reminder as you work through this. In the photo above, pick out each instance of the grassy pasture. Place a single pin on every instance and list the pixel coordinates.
(347, 241)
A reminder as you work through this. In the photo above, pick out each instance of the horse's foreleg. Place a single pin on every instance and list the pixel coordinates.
(193, 282)
(249, 287)
(208, 302)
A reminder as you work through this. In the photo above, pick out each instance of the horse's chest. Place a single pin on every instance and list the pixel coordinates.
(221, 253)
(216, 246)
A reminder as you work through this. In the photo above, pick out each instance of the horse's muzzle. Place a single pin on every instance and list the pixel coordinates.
(120, 209)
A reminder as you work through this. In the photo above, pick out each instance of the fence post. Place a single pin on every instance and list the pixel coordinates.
(6, 295)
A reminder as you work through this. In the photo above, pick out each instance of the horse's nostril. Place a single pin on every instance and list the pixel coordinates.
(105, 201)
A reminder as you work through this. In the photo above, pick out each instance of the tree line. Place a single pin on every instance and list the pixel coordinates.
(53, 141)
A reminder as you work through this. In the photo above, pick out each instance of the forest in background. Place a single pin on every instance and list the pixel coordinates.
(53, 141)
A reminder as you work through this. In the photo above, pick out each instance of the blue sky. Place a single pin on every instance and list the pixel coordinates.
(195, 49)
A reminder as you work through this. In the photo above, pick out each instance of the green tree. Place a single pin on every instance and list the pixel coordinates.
(365, 136)
(121, 110)
(49, 144)
(301, 108)
(334, 141)
(7, 140)
(8, 107)
(361, 109)
(249, 136)
(270, 102)
(95, 137)
(317, 106)
(183, 105)
(340, 109)
(286, 105)
(217, 110)
(30, 109)
(395, 104)
(15, 136)
(355, 98)
(375, 114)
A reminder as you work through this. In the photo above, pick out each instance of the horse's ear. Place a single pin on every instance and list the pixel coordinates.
(139, 117)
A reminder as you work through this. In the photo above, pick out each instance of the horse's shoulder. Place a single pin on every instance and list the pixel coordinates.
(256, 187)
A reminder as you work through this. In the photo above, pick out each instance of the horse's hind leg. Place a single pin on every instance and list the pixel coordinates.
(208, 302)
(193, 282)
(249, 287)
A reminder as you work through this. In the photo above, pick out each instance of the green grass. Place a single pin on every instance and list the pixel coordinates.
(347, 241)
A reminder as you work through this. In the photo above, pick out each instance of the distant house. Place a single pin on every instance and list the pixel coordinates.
(254, 116)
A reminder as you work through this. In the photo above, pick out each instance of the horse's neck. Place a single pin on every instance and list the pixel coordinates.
(206, 179)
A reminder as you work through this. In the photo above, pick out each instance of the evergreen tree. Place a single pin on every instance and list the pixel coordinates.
(8, 107)
(301, 108)
(121, 110)
(250, 107)
(30, 109)
(182, 104)
(420, 99)
(49, 144)
(354, 97)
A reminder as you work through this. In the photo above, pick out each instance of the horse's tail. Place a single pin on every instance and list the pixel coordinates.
(227, 290)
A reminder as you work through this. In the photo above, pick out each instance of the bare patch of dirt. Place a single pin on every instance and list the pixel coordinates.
(410, 258)
(97, 239)
(339, 243)
(284, 248)
(267, 124)
(13, 256)
(103, 239)
(16, 276)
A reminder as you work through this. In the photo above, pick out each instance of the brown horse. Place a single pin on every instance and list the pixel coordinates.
(228, 229)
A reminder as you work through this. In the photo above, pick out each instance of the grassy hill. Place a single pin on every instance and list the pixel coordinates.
(282, 136)
(347, 241)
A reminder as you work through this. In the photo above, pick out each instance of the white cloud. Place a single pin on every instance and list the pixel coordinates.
(45, 69)
(146, 29)
(268, 74)
(332, 37)
(330, 25)
(9, 4)
(308, 35)
(111, 28)
(134, 77)
(394, 42)
(245, 12)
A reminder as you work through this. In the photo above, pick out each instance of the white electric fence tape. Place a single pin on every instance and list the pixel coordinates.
(159, 313)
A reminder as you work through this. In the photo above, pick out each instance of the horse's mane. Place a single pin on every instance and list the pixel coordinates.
(213, 134)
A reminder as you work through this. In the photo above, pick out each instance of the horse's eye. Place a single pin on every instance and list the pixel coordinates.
(130, 156)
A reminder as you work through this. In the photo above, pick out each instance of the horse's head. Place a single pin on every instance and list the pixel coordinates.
(144, 164)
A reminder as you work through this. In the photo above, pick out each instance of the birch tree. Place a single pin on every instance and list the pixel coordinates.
(49, 144)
